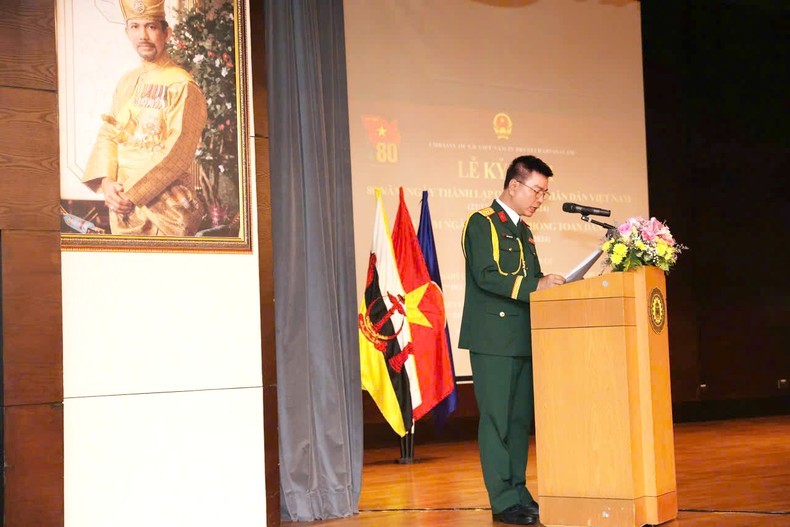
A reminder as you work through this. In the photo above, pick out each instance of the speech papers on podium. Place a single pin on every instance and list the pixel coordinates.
(578, 272)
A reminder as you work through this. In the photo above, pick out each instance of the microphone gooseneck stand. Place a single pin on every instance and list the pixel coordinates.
(606, 226)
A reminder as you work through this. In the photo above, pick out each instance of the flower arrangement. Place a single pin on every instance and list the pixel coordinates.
(641, 242)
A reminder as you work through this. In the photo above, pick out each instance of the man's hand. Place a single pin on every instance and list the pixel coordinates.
(550, 280)
(114, 197)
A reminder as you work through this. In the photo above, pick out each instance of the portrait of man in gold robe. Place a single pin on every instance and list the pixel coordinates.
(165, 158)
(145, 148)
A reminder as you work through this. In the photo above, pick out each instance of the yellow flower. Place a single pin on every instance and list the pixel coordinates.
(606, 245)
(661, 248)
(618, 253)
(639, 244)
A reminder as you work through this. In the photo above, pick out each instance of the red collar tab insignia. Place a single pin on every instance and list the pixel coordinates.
(502, 216)
(531, 241)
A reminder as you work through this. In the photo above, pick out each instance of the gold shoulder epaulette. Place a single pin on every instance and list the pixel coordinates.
(488, 211)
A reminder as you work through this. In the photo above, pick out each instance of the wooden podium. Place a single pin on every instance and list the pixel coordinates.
(603, 408)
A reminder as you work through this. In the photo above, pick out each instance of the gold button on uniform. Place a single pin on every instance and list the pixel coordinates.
(501, 314)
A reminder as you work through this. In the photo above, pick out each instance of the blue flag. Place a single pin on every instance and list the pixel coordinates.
(425, 236)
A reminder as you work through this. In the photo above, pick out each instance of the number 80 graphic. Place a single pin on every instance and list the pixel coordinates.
(386, 152)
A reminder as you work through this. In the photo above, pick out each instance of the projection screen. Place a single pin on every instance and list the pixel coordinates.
(443, 94)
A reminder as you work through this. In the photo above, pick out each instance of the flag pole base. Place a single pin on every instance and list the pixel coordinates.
(406, 449)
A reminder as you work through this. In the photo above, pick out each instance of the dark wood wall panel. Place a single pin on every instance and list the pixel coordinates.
(260, 121)
(33, 466)
(258, 70)
(32, 318)
(31, 329)
(268, 351)
(27, 44)
(30, 184)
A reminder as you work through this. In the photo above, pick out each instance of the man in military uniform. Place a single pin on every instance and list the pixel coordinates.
(146, 145)
(502, 269)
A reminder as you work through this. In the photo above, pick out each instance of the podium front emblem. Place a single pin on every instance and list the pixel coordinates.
(657, 310)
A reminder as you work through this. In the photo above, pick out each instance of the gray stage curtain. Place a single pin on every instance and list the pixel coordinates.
(318, 379)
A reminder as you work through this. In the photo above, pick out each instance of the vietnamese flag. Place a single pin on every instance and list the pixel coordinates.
(380, 130)
(424, 313)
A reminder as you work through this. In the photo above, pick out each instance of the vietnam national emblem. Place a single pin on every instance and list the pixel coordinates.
(503, 125)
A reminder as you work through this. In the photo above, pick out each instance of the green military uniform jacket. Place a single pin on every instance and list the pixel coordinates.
(502, 269)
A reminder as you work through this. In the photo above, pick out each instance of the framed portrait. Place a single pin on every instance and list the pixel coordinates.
(153, 125)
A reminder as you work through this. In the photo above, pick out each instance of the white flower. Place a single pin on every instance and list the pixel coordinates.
(198, 59)
(228, 105)
(224, 72)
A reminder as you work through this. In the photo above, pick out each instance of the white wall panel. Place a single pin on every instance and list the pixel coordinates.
(148, 322)
(177, 459)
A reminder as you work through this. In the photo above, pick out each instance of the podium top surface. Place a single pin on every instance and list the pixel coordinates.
(610, 285)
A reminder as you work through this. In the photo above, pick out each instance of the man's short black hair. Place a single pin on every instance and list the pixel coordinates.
(526, 164)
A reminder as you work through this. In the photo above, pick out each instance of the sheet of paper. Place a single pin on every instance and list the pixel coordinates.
(578, 272)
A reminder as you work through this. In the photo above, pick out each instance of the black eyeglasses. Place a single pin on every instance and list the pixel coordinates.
(539, 192)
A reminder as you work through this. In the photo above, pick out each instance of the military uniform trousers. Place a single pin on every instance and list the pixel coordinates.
(505, 397)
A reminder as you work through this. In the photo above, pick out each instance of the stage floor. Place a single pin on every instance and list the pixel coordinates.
(729, 474)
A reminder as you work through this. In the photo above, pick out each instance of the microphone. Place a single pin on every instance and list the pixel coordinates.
(585, 211)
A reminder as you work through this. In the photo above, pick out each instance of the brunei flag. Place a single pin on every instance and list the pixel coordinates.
(424, 313)
(388, 369)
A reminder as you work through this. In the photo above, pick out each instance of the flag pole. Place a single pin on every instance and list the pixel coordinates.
(407, 447)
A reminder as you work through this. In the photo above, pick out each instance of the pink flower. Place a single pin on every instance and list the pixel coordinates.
(664, 234)
(625, 229)
(651, 229)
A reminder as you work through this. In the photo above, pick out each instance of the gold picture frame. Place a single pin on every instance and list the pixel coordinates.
(208, 40)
